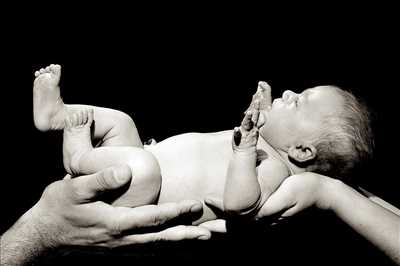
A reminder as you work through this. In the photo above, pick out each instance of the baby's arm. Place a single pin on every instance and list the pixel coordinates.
(243, 191)
(247, 187)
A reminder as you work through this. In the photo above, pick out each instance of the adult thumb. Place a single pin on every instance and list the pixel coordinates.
(111, 178)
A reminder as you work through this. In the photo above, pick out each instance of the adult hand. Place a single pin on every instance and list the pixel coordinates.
(301, 191)
(70, 206)
(69, 213)
(296, 193)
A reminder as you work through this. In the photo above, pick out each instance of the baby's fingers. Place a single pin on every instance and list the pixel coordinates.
(247, 122)
(255, 112)
(252, 137)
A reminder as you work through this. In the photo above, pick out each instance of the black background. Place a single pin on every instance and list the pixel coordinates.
(196, 73)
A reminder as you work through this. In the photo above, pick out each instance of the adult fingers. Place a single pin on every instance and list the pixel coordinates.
(279, 201)
(218, 226)
(291, 211)
(214, 203)
(176, 233)
(152, 215)
(90, 186)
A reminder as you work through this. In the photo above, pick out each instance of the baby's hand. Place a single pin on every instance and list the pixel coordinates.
(246, 136)
(263, 96)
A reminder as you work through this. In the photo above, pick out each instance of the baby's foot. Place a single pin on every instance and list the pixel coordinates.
(77, 139)
(48, 107)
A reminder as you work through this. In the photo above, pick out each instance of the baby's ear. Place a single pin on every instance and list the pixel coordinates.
(302, 152)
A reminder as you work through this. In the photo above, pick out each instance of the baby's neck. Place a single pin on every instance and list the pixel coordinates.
(283, 156)
(296, 169)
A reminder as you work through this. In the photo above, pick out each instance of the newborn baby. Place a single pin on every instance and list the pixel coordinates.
(235, 167)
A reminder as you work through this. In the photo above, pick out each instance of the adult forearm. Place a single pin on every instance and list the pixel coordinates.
(22, 244)
(380, 201)
(378, 225)
(242, 190)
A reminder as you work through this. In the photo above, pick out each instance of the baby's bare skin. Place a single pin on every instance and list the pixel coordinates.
(196, 164)
(193, 165)
(48, 107)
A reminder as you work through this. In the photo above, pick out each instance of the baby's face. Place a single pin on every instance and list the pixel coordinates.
(295, 117)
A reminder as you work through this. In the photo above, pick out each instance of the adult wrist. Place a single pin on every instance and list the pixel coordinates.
(23, 243)
(45, 228)
(330, 188)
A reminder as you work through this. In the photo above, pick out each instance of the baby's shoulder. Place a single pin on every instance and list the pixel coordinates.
(267, 162)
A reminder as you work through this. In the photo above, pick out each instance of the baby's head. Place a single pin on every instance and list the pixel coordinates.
(323, 129)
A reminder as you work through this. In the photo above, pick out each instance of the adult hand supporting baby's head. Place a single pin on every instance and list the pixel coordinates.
(296, 193)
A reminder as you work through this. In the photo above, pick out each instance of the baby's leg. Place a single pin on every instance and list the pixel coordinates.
(113, 127)
(80, 157)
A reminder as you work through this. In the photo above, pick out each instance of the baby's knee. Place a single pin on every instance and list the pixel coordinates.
(123, 120)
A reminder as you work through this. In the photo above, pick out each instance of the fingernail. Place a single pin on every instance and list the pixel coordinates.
(122, 174)
(196, 208)
(203, 237)
(122, 179)
(208, 201)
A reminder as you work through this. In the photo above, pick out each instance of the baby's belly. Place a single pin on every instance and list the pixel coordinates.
(180, 183)
(193, 171)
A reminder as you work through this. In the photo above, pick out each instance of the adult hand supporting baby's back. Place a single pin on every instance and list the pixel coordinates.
(296, 193)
